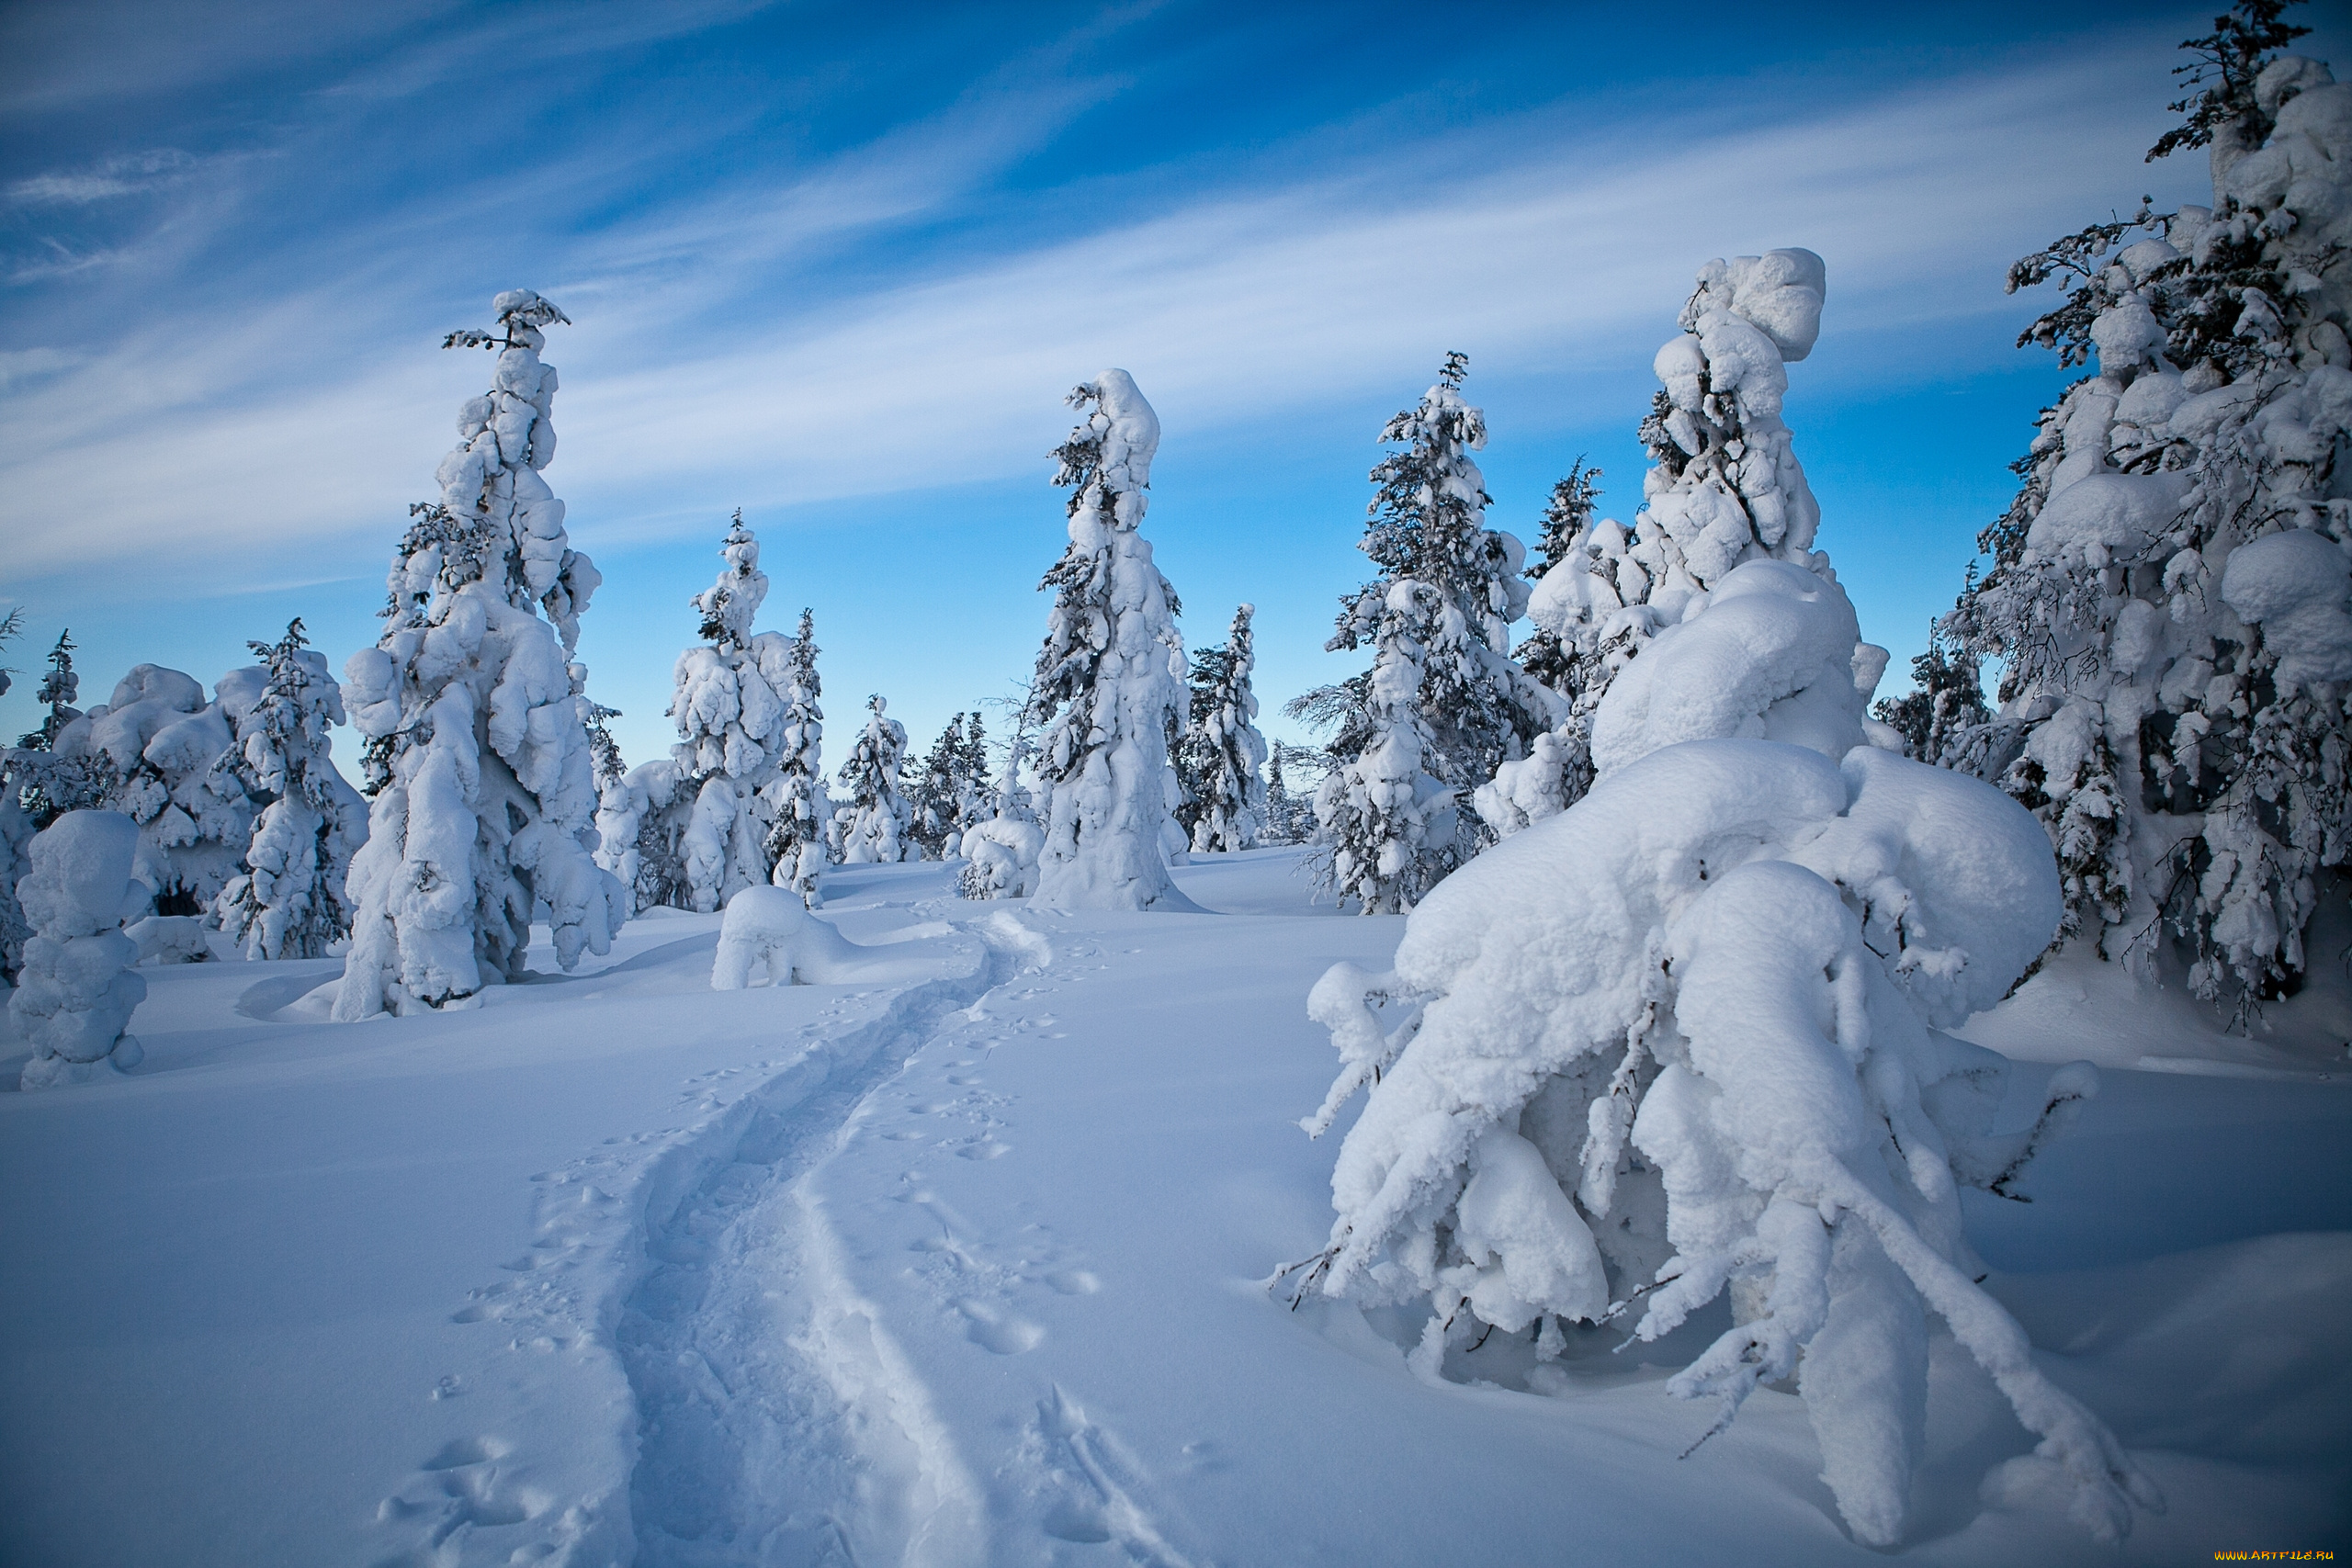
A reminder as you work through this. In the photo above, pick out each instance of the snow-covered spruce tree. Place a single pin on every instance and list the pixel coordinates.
(47, 786)
(78, 987)
(1688, 1037)
(731, 713)
(801, 810)
(16, 827)
(1723, 487)
(873, 829)
(157, 751)
(287, 900)
(484, 788)
(603, 753)
(1444, 704)
(942, 793)
(1947, 698)
(1223, 749)
(2168, 596)
(1110, 679)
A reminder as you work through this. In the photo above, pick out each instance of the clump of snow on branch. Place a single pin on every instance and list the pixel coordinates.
(2167, 599)
(76, 990)
(1110, 678)
(1223, 750)
(288, 900)
(477, 758)
(1688, 1036)
(1725, 487)
(872, 828)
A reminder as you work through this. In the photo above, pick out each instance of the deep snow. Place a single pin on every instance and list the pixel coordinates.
(959, 1262)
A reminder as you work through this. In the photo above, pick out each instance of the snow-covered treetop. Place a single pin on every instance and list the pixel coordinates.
(1107, 459)
(497, 520)
(728, 604)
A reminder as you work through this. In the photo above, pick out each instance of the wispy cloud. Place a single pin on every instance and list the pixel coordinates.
(133, 174)
(256, 432)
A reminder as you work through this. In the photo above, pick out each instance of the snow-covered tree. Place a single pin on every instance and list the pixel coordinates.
(603, 753)
(1444, 704)
(1110, 679)
(45, 784)
(1725, 487)
(802, 811)
(1293, 773)
(1689, 1039)
(1222, 748)
(484, 788)
(731, 712)
(2168, 596)
(287, 901)
(949, 792)
(157, 751)
(77, 989)
(60, 686)
(873, 829)
(642, 826)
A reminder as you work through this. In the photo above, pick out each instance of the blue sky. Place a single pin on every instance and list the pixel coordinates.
(839, 272)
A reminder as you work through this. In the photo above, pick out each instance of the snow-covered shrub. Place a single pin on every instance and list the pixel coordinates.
(76, 990)
(484, 788)
(1223, 750)
(872, 830)
(2165, 598)
(170, 939)
(1725, 487)
(1448, 590)
(1110, 679)
(731, 710)
(1688, 1036)
(770, 928)
(287, 900)
(802, 811)
(1002, 851)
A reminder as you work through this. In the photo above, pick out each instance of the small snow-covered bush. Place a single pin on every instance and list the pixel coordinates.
(76, 990)
(873, 829)
(1688, 1036)
(770, 928)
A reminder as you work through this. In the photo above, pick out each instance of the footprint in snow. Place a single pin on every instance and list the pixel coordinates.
(997, 1331)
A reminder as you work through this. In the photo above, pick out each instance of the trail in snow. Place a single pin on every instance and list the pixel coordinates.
(779, 1422)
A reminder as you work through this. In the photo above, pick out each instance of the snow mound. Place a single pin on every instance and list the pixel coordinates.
(77, 991)
(2295, 585)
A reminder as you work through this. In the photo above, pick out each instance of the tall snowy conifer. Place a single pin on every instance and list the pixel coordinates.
(732, 713)
(289, 901)
(796, 838)
(1725, 487)
(1445, 704)
(1224, 749)
(1110, 679)
(2170, 595)
(484, 787)
(873, 829)
(942, 792)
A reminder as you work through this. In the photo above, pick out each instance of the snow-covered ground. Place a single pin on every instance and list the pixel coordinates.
(963, 1263)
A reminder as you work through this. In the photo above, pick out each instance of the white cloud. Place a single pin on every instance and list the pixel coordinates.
(240, 438)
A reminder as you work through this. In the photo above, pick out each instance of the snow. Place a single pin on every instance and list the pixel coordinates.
(75, 992)
(2296, 585)
(968, 1263)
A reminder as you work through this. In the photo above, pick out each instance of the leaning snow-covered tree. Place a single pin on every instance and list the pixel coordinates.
(2168, 596)
(1723, 487)
(1222, 746)
(1689, 1036)
(287, 901)
(1445, 706)
(1110, 679)
(873, 829)
(484, 788)
(801, 811)
(732, 712)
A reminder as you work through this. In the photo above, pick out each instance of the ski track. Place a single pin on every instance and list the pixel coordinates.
(779, 1423)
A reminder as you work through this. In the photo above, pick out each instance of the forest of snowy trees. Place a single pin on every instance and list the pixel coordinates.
(1689, 911)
